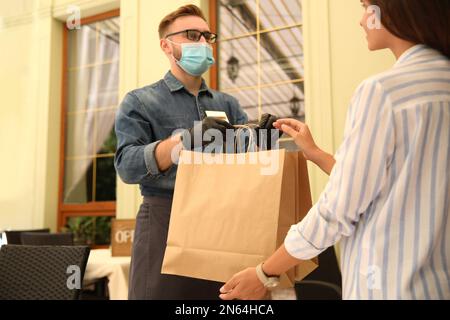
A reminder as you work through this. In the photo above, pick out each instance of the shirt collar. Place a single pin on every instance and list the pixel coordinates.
(411, 54)
(175, 85)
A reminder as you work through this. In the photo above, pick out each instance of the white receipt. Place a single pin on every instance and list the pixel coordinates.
(218, 115)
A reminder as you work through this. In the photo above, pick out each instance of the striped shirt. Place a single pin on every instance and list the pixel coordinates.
(387, 199)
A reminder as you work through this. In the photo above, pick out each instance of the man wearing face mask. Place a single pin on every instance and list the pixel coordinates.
(144, 125)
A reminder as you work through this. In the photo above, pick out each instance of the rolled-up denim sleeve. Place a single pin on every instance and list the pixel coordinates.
(135, 156)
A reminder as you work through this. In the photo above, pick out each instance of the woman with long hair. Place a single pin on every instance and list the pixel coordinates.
(388, 197)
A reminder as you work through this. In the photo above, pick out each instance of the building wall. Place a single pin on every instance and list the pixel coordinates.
(29, 113)
(336, 56)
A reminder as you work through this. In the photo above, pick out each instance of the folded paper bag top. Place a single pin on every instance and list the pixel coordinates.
(227, 216)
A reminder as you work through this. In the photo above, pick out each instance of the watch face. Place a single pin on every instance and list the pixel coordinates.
(272, 283)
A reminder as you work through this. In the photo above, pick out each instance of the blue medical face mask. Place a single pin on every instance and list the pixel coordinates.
(196, 58)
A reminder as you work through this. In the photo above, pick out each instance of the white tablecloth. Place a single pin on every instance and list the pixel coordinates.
(102, 264)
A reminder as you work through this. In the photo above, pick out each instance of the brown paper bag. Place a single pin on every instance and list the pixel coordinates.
(234, 213)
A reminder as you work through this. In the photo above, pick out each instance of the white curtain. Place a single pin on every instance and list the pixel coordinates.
(92, 88)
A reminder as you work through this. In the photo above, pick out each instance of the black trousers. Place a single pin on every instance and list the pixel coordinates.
(150, 238)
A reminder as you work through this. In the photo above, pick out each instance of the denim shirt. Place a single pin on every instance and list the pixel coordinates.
(149, 115)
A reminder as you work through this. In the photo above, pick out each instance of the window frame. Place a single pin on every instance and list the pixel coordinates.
(214, 74)
(90, 209)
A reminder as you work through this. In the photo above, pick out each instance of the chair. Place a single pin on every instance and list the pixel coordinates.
(95, 290)
(317, 290)
(14, 237)
(99, 286)
(99, 291)
(324, 283)
(47, 239)
(41, 272)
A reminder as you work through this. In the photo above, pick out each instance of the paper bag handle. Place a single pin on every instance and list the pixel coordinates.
(252, 145)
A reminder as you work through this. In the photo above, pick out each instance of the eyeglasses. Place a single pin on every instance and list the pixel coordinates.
(196, 35)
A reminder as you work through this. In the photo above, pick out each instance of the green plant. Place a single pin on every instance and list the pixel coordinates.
(89, 230)
(103, 230)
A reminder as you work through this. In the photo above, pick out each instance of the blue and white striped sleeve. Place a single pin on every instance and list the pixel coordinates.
(356, 179)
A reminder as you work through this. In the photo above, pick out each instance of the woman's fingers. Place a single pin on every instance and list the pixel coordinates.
(230, 285)
(289, 130)
(295, 124)
(232, 295)
(243, 285)
(299, 132)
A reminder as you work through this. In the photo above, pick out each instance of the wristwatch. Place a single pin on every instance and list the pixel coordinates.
(268, 282)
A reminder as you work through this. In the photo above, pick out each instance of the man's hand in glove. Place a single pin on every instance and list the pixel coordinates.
(267, 134)
(195, 137)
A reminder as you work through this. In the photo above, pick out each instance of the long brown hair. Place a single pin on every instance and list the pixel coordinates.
(418, 21)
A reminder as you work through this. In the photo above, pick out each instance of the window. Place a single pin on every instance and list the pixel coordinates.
(90, 100)
(260, 55)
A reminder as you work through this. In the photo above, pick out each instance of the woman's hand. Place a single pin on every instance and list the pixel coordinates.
(244, 285)
(301, 135)
(303, 138)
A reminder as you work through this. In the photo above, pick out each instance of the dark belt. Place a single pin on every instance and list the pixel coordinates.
(158, 201)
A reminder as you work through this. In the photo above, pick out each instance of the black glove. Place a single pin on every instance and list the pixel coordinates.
(188, 137)
(268, 133)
